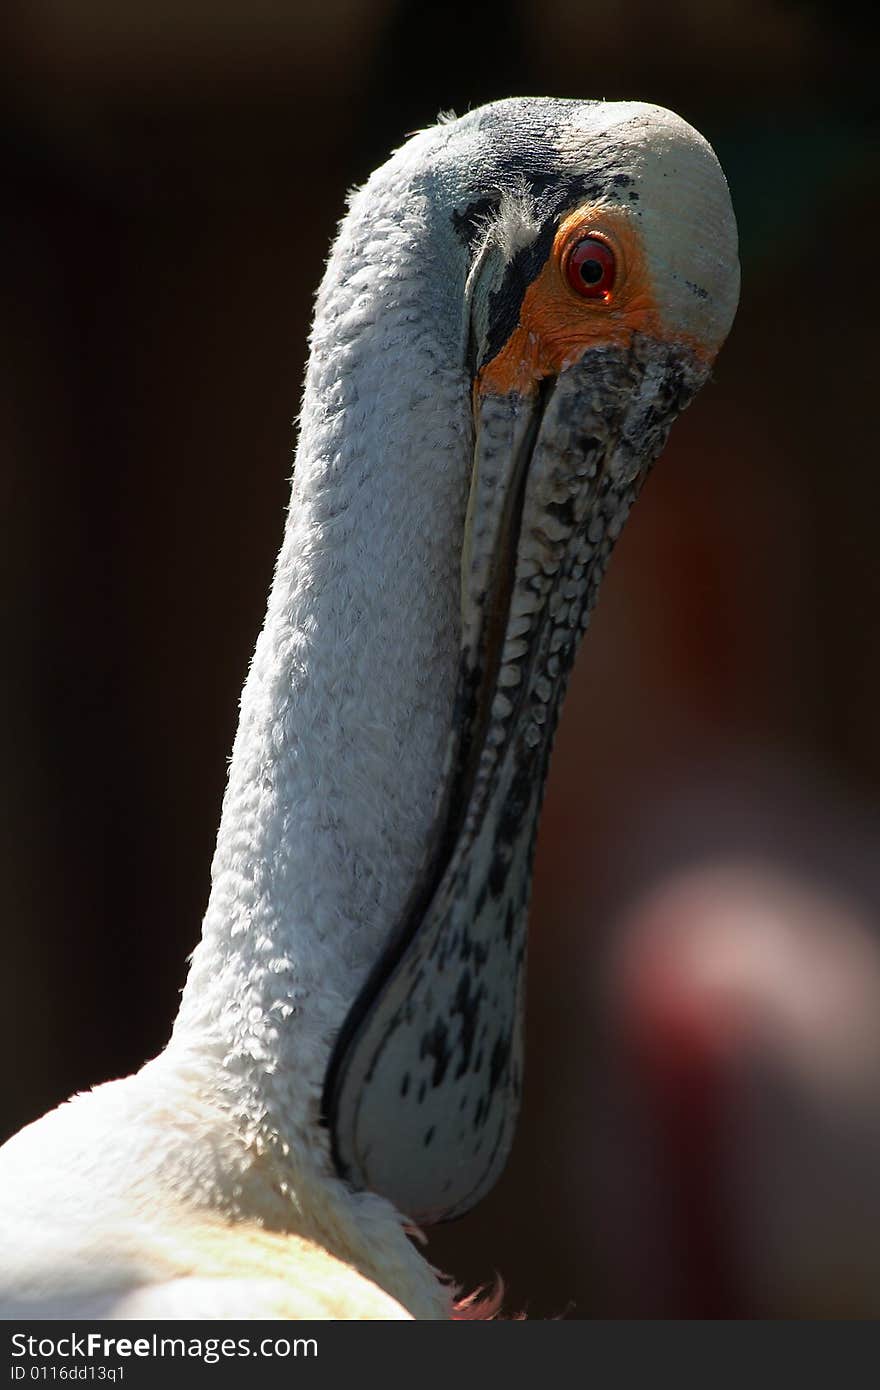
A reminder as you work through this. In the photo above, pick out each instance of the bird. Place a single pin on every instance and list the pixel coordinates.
(516, 307)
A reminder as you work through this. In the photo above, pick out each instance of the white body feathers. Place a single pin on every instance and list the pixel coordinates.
(331, 792)
(204, 1185)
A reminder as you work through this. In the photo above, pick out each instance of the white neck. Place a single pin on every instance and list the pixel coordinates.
(346, 711)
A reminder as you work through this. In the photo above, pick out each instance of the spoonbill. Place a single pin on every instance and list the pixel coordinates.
(515, 309)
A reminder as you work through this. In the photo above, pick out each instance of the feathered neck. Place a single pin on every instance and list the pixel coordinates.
(346, 710)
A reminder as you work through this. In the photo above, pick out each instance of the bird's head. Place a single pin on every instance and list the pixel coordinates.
(600, 280)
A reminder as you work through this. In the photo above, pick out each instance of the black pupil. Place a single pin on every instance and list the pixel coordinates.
(591, 271)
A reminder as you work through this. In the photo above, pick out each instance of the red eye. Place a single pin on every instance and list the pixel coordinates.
(590, 268)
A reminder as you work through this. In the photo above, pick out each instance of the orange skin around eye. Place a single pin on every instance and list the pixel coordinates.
(556, 324)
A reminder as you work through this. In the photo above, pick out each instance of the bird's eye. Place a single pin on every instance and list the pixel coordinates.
(589, 268)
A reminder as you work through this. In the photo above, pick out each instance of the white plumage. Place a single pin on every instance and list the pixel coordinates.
(203, 1186)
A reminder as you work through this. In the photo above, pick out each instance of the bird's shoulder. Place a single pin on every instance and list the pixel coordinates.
(97, 1219)
(199, 1269)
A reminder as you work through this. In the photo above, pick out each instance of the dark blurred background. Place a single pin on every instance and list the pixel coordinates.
(172, 175)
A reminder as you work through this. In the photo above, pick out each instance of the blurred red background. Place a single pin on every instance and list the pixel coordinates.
(173, 175)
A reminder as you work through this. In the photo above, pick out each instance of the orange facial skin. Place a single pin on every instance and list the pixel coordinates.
(557, 325)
